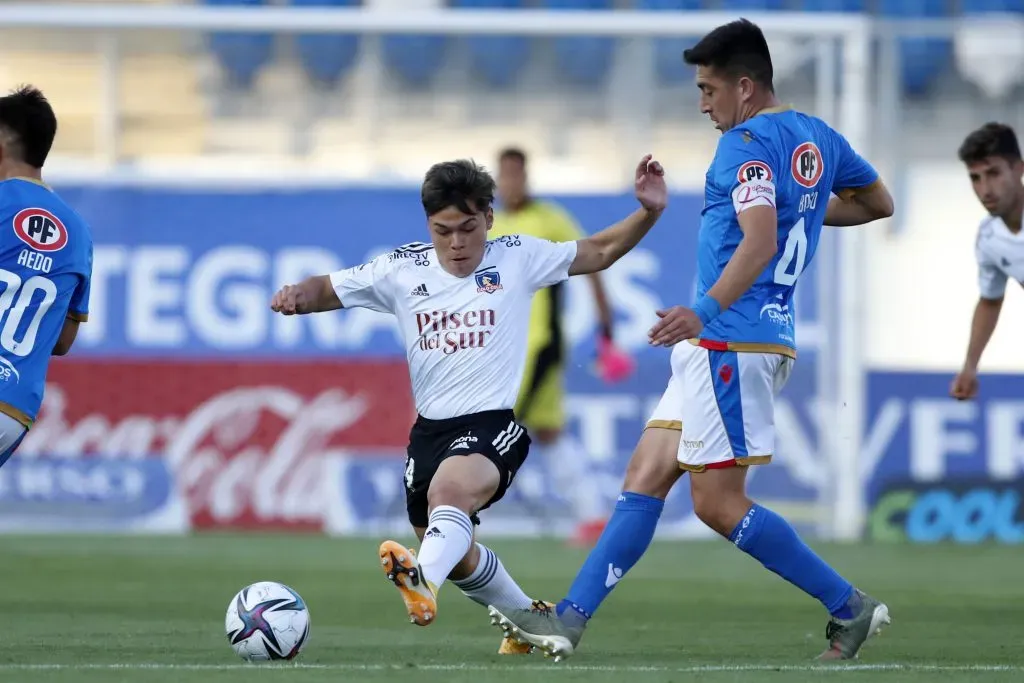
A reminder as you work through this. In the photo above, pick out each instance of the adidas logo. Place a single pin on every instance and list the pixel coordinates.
(420, 291)
(433, 532)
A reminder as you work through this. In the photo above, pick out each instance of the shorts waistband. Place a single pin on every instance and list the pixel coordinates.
(459, 420)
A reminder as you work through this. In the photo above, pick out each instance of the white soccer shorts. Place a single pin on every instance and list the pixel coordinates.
(724, 404)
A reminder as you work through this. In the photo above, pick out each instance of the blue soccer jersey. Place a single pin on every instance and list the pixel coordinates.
(791, 161)
(45, 269)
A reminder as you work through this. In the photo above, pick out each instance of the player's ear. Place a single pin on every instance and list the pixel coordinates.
(490, 217)
(746, 88)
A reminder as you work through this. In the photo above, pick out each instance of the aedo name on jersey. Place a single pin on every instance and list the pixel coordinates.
(45, 269)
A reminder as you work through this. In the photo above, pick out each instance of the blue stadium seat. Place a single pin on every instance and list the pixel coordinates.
(921, 58)
(834, 5)
(753, 4)
(325, 57)
(583, 60)
(414, 59)
(497, 59)
(982, 6)
(241, 55)
(668, 52)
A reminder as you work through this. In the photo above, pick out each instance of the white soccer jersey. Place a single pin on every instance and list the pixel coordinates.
(465, 338)
(1000, 255)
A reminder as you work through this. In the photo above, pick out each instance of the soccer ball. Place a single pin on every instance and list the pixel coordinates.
(265, 621)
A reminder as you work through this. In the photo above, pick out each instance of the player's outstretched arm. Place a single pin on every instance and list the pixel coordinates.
(312, 295)
(986, 316)
(859, 206)
(601, 250)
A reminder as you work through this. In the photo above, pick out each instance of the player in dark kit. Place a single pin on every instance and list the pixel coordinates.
(45, 264)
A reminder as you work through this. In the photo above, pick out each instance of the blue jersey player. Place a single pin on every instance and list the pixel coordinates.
(45, 264)
(768, 192)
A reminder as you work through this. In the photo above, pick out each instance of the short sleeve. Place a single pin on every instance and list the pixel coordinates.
(853, 172)
(366, 286)
(745, 170)
(78, 308)
(991, 278)
(546, 263)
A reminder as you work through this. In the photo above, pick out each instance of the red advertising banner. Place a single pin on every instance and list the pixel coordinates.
(246, 441)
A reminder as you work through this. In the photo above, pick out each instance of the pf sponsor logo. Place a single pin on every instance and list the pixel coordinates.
(754, 170)
(807, 165)
(40, 229)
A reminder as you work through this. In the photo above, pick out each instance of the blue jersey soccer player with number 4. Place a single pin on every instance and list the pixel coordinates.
(767, 194)
(45, 264)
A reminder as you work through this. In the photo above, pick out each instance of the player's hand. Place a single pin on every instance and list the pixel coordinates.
(289, 300)
(650, 188)
(965, 385)
(677, 324)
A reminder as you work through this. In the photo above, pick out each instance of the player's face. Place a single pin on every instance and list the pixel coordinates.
(997, 184)
(511, 182)
(460, 239)
(721, 98)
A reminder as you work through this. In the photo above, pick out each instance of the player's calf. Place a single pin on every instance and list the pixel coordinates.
(768, 538)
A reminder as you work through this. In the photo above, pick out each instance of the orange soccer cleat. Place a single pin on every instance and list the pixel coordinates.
(402, 569)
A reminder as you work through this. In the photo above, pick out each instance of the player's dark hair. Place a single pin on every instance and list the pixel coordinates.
(29, 125)
(991, 140)
(514, 154)
(462, 184)
(736, 49)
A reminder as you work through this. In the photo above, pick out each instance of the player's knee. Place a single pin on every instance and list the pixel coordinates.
(720, 508)
(464, 482)
(451, 492)
(653, 469)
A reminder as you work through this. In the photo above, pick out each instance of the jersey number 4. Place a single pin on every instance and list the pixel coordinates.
(15, 301)
(794, 256)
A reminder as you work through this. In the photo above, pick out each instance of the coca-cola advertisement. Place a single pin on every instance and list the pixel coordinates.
(244, 443)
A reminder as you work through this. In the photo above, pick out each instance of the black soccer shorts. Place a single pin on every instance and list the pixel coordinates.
(495, 434)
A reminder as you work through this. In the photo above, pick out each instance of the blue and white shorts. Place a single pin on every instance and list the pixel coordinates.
(723, 402)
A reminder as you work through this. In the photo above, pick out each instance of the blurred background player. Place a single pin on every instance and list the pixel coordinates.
(45, 264)
(541, 403)
(993, 160)
(766, 198)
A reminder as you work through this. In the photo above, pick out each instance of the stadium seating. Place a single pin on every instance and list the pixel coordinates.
(753, 4)
(833, 5)
(241, 55)
(582, 60)
(980, 6)
(921, 59)
(668, 52)
(496, 59)
(326, 58)
(412, 59)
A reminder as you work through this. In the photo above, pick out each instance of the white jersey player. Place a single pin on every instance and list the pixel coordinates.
(993, 159)
(463, 307)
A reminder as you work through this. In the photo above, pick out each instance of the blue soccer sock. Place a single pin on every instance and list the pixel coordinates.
(770, 540)
(623, 543)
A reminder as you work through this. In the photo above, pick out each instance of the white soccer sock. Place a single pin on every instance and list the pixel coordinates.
(448, 538)
(491, 584)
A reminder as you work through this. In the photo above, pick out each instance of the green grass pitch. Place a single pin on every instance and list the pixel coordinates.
(89, 609)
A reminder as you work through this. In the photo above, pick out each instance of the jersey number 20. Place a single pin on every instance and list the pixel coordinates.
(795, 255)
(14, 301)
